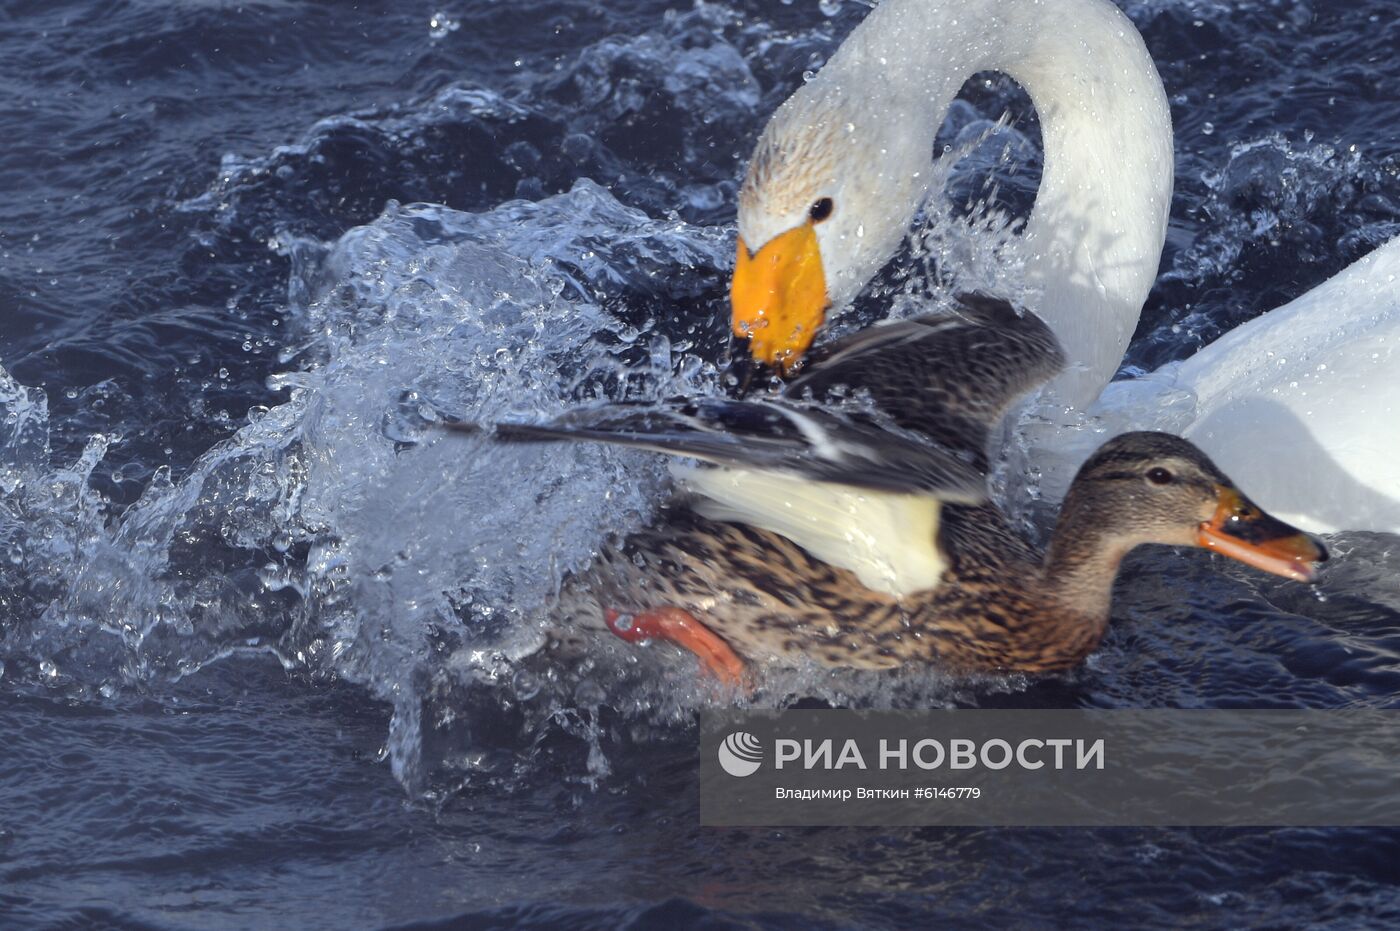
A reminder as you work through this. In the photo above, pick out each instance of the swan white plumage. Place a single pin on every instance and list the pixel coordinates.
(1303, 403)
(1304, 400)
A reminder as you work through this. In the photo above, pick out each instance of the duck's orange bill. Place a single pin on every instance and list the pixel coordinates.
(1242, 531)
(778, 296)
(680, 627)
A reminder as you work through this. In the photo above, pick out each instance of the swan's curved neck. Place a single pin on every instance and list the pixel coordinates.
(1095, 235)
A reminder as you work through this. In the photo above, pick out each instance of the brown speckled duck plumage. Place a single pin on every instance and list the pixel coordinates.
(1001, 605)
(931, 390)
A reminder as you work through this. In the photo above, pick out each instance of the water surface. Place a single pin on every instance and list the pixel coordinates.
(264, 652)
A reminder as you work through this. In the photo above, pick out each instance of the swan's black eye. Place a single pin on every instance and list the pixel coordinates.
(821, 210)
(1160, 476)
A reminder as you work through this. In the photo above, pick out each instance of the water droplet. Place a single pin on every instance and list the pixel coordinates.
(440, 24)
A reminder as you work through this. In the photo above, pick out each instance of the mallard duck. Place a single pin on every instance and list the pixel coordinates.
(846, 529)
(843, 165)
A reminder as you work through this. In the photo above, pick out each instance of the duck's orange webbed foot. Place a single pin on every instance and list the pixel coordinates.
(716, 657)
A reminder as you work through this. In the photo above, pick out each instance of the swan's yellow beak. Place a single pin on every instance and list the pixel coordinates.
(778, 296)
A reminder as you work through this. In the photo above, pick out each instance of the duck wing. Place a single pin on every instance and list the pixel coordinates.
(949, 377)
(856, 459)
(784, 438)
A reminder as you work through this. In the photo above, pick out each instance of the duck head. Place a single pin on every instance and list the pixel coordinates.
(1158, 488)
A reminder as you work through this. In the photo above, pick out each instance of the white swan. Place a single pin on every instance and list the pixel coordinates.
(1303, 403)
(1304, 400)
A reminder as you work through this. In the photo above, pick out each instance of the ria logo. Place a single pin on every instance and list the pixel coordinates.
(741, 754)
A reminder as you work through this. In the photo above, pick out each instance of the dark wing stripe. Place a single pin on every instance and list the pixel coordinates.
(809, 443)
(949, 377)
(934, 387)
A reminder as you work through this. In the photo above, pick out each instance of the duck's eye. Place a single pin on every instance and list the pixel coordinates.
(1160, 476)
(821, 210)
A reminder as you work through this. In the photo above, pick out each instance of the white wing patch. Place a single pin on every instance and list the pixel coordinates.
(886, 539)
(823, 445)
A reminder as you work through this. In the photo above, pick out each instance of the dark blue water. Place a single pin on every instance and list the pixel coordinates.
(229, 693)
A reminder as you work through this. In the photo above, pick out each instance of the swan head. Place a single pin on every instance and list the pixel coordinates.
(828, 196)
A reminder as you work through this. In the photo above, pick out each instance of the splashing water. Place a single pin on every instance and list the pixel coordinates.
(339, 530)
